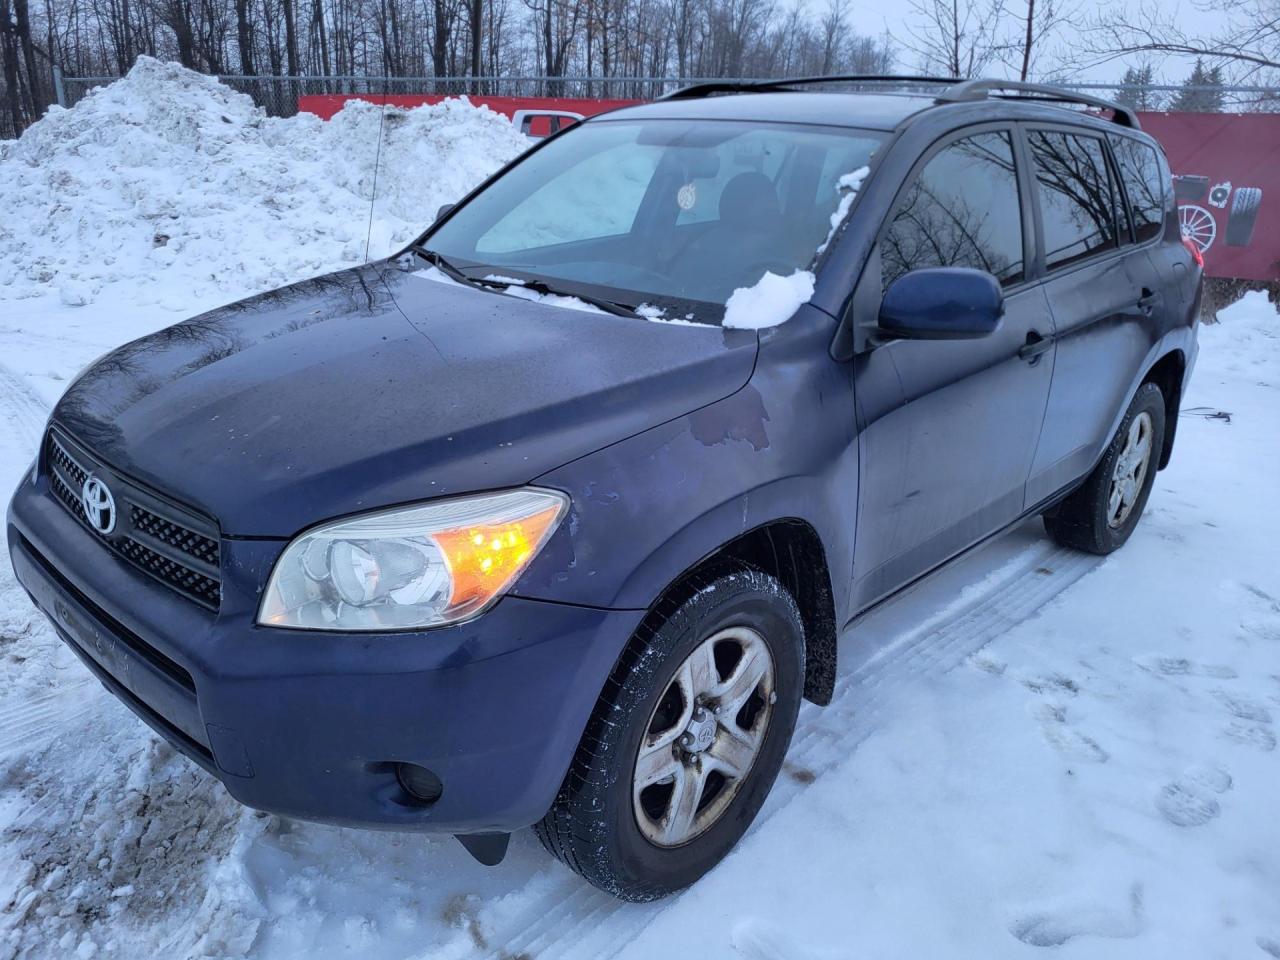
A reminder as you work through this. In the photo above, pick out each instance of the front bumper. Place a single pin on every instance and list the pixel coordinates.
(311, 725)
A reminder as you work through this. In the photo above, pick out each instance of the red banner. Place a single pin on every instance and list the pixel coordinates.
(1226, 169)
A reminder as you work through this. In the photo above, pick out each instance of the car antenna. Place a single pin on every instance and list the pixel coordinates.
(377, 157)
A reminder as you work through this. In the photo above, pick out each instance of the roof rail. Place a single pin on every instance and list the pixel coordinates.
(712, 87)
(968, 90)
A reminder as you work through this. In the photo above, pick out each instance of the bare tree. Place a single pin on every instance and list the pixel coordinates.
(1038, 21)
(835, 24)
(956, 38)
(1248, 37)
(9, 55)
(619, 42)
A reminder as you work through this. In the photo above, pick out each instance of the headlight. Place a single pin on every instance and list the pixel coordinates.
(420, 566)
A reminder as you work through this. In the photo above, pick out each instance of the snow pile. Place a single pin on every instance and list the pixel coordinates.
(773, 300)
(181, 188)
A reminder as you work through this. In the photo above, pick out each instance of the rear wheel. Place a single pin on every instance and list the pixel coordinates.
(686, 741)
(1100, 516)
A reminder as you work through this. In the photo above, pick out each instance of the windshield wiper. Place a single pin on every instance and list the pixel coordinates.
(535, 286)
(444, 266)
(546, 290)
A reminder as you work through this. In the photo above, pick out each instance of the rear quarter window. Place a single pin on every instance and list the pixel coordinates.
(1143, 178)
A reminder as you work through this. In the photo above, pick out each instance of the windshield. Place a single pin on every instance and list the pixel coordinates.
(672, 214)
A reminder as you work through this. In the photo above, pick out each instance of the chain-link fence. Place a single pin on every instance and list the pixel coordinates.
(278, 96)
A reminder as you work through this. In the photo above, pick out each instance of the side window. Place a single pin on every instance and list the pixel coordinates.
(1075, 196)
(962, 210)
(1144, 185)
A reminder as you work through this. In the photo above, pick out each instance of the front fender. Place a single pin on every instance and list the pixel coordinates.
(648, 508)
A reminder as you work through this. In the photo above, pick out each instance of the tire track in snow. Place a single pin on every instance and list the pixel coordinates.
(571, 919)
(22, 409)
(28, 722)
(34, 721)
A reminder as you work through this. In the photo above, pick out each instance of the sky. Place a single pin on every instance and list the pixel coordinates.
(894, 17)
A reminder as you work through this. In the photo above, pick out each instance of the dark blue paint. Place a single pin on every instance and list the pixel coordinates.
(373, 387)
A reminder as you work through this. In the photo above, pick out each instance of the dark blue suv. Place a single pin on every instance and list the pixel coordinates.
(554, 518)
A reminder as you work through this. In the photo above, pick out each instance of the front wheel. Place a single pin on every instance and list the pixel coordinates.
(685, 742)
(1100, 516)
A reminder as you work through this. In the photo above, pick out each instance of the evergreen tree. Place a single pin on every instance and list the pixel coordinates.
(1136, 90)
(1202, 91)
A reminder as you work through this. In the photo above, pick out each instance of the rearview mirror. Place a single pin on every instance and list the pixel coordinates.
(942, 303)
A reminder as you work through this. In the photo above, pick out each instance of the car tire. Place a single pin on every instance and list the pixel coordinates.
(1089, 519)
(615, 835)
(1243, 216)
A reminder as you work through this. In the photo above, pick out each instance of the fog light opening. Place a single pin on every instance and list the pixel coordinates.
(419, 782)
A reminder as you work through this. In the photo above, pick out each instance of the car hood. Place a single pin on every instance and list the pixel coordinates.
(376, 386)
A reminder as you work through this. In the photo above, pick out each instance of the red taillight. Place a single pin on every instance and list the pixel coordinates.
(1194, 250)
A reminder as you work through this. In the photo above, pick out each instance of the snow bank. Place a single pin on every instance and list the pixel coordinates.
(177, 187)
(773, 300)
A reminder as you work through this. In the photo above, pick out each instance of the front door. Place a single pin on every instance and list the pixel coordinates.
(949, 428)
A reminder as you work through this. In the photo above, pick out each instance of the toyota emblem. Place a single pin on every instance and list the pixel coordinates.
(99, 505)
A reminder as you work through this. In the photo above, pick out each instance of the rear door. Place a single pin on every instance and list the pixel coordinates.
(949, 428)
(1148, 190)
(1103, 292)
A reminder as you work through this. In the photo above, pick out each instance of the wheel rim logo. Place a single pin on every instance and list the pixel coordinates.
(99, 505)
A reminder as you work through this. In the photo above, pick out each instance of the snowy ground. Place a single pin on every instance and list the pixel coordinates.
(1031, 753)
(1032, 749)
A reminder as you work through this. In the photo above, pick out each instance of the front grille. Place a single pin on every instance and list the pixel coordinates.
(166, 531)
(170, 543)
(183, 579)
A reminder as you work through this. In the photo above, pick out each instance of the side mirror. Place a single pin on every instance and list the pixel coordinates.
(942, 303)
(444, 208)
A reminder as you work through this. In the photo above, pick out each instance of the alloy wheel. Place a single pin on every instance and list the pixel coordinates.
(703, 737)
(1130, 470)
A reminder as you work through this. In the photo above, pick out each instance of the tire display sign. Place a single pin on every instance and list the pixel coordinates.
(1226, 183)
(1226, 169)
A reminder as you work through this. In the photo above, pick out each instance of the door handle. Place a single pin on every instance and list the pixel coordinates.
(1035, 345)
(1146, 302)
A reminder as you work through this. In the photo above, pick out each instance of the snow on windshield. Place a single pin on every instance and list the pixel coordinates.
(774, 299)
(848, 187)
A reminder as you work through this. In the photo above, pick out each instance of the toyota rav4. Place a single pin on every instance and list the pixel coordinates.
(555, 517)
